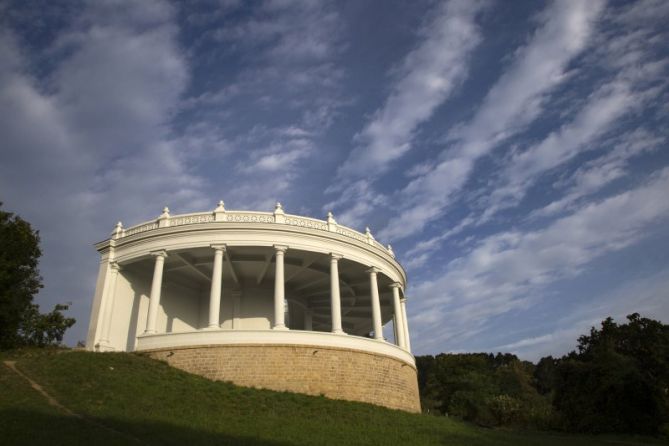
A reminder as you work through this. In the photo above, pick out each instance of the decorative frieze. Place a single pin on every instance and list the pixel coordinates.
(249, 217)
(191, 219)
(140, 228)
(307, 223)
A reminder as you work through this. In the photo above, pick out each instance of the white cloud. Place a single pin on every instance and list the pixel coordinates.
(595, 174)
(287, 75)
(515, 100)
(296, 30)
(94, 147)
(634, 87)
(360, 198)
(646, 296)
(280, 157)
(600, 112)
(419, 254)
(509, 269)
(428, 76)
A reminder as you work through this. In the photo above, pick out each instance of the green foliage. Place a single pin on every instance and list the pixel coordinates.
(19, 277)
(42, 330)
(490, 390)
(20, 320)
(618, 381)
(128, 399)
(545, 375)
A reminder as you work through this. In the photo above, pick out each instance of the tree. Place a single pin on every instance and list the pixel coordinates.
(544, 375)
(487, 389)
(20, 320)
(42, 330)
(19, 277)
(618, 380)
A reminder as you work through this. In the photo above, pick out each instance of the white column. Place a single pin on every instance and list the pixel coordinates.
(308, 320)
(279, 289)
(399, 317)
(335, 296)
(407, 340)
(109, 303)
(376, 303)
(216, 282)
(94, 333)
(156, 286)
(236, 303)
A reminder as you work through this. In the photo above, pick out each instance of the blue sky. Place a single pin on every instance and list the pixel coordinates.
(513, 153)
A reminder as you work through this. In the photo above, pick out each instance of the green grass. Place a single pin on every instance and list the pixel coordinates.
(125, 398)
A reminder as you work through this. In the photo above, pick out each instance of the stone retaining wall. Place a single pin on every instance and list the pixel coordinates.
(332, 372)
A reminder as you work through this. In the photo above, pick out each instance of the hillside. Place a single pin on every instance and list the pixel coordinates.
(125, 399)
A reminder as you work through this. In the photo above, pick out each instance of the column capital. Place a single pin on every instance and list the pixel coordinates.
(373, 270)
(219, 247)
(114, 266)
(334, 257)
(162, 253)
(395, 285)
(281, 248)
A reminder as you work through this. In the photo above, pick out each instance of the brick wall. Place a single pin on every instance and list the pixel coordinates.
(332, 372)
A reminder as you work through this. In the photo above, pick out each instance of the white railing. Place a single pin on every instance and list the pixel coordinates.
(306, 222)
(249, 217)
(348, 232)
(189, 219)
(140, 228)
(221, 215)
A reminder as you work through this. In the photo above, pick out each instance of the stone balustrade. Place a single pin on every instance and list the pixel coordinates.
(221, 215)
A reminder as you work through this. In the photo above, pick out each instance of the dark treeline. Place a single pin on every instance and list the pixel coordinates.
(617, 380)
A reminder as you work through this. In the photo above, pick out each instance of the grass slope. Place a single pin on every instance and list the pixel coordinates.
(126, 399)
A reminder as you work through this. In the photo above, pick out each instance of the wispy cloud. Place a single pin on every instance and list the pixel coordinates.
(602, 109)
(514, 101)
(646, 295)
(428, 76)
(630, 86)
(595, 174)
(510, 150)
(286, 92)
(95, 142)
(508, 270)
(425, 80)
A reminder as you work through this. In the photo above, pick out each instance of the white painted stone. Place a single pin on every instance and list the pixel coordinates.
(158, 300)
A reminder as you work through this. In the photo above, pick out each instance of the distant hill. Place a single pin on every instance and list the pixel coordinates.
(121, 398)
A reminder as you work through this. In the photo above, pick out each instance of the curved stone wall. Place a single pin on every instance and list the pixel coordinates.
(333, 372)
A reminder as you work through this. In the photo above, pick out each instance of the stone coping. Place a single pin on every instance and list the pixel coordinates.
(199, 338)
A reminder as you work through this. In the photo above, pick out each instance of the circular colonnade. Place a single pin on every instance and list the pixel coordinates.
(263, 299)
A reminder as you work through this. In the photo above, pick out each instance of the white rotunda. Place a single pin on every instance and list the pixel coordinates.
(262, 299)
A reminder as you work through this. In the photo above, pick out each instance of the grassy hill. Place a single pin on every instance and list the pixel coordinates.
(118, 398)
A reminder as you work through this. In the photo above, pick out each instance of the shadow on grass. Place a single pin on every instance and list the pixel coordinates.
(34, 427)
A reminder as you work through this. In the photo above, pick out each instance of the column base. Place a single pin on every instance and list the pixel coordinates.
(149, 332)
(212, 327)
(280, 327)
